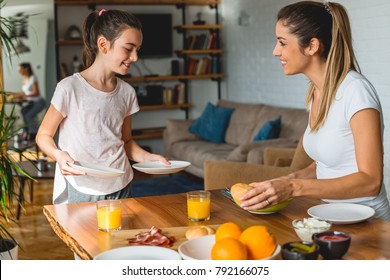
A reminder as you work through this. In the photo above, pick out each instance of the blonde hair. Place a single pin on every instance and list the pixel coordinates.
(329, 23)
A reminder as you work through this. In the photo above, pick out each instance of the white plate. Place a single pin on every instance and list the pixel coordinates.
(139, 253)
(341, 213)
(200, 248)
(96, 169)
(158, 167)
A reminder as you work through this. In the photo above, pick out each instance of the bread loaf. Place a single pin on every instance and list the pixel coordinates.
(198, 231)
(239, 189)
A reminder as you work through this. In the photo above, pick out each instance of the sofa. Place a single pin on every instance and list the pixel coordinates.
(238, 145)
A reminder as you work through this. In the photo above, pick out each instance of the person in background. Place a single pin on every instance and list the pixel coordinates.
(344, 135)
(93, 109)
(35, 102)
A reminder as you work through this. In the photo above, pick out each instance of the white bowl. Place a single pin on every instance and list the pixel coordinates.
(200, 248)
(306, 227)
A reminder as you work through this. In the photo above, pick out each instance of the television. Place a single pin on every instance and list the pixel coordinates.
(157, 35)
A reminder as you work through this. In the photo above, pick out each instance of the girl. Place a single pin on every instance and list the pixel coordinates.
(345, 128)
(93, 109)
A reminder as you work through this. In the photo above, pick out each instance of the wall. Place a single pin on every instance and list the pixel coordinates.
(41, 43)
(254, 75)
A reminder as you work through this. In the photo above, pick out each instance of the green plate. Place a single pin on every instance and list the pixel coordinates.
(269, 210)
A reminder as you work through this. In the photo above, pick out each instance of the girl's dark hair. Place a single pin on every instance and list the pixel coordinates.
(27, 67)
(109, 24)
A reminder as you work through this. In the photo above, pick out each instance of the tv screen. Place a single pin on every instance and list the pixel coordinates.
(157, 35)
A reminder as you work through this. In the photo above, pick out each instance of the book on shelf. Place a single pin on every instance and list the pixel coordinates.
(175, 95)
(201, 41)
(199, 66)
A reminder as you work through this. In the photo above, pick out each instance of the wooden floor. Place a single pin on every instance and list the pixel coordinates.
(33, 232)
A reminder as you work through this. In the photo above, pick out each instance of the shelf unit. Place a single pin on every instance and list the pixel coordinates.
(184, 54)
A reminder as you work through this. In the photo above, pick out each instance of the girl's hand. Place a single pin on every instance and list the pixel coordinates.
(62, 159)
(154, 157)
(265, 194)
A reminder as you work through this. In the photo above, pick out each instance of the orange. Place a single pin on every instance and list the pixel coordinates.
(228, 229)
(228, 249)
(259, 242)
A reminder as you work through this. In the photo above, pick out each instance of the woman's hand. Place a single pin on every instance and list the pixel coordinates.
(62, 158)
(267, 193)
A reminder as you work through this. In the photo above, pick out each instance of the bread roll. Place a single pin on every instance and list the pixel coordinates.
(239, 189)
(198, 231)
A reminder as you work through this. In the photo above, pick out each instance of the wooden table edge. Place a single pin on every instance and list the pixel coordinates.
(65, 237)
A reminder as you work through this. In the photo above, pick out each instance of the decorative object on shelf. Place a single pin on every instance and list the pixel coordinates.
(76, 64)
(153, 95)
(199, 20)
(73, 33)
(175, 67)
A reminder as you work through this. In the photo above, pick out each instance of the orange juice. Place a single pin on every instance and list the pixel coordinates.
(198, 206)
(109, 217)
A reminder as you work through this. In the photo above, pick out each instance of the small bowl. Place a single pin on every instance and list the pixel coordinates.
(306, 227)
(300, 250)
(333, 244)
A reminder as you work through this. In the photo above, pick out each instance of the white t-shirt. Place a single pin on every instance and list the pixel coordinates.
(92, 132)
(332, 146)
(27, 88)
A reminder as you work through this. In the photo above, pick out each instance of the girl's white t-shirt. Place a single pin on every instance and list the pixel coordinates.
(91, 132)
(332, 146)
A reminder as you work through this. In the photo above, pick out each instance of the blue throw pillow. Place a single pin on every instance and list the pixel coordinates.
(212, 124)
(269, 130)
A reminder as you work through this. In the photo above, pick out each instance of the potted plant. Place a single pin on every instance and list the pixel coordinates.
(8, 166)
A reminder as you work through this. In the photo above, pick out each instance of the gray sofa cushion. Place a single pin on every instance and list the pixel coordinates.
(241, 123)
(197, 152)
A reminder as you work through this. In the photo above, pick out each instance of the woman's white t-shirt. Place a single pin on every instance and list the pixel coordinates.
(27, 88)
(91, 132)
(332, 146)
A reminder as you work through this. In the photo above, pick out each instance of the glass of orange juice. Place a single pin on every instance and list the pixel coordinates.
(109, 215)
(198, 205)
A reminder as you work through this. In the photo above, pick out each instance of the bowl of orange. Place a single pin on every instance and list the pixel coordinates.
(231, 243)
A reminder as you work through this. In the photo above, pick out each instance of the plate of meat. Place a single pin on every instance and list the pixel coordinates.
(142, 252)
(151, 244)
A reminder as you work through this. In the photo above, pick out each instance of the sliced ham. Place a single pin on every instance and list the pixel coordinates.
(153, 237)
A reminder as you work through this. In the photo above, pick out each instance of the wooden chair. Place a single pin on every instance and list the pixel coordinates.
(277, 162)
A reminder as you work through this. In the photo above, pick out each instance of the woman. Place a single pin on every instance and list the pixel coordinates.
(345, 128)
(36, 103)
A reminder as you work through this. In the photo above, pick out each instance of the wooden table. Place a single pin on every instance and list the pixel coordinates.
(76, 224)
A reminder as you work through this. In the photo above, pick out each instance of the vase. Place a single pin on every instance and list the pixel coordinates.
(8, 249)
